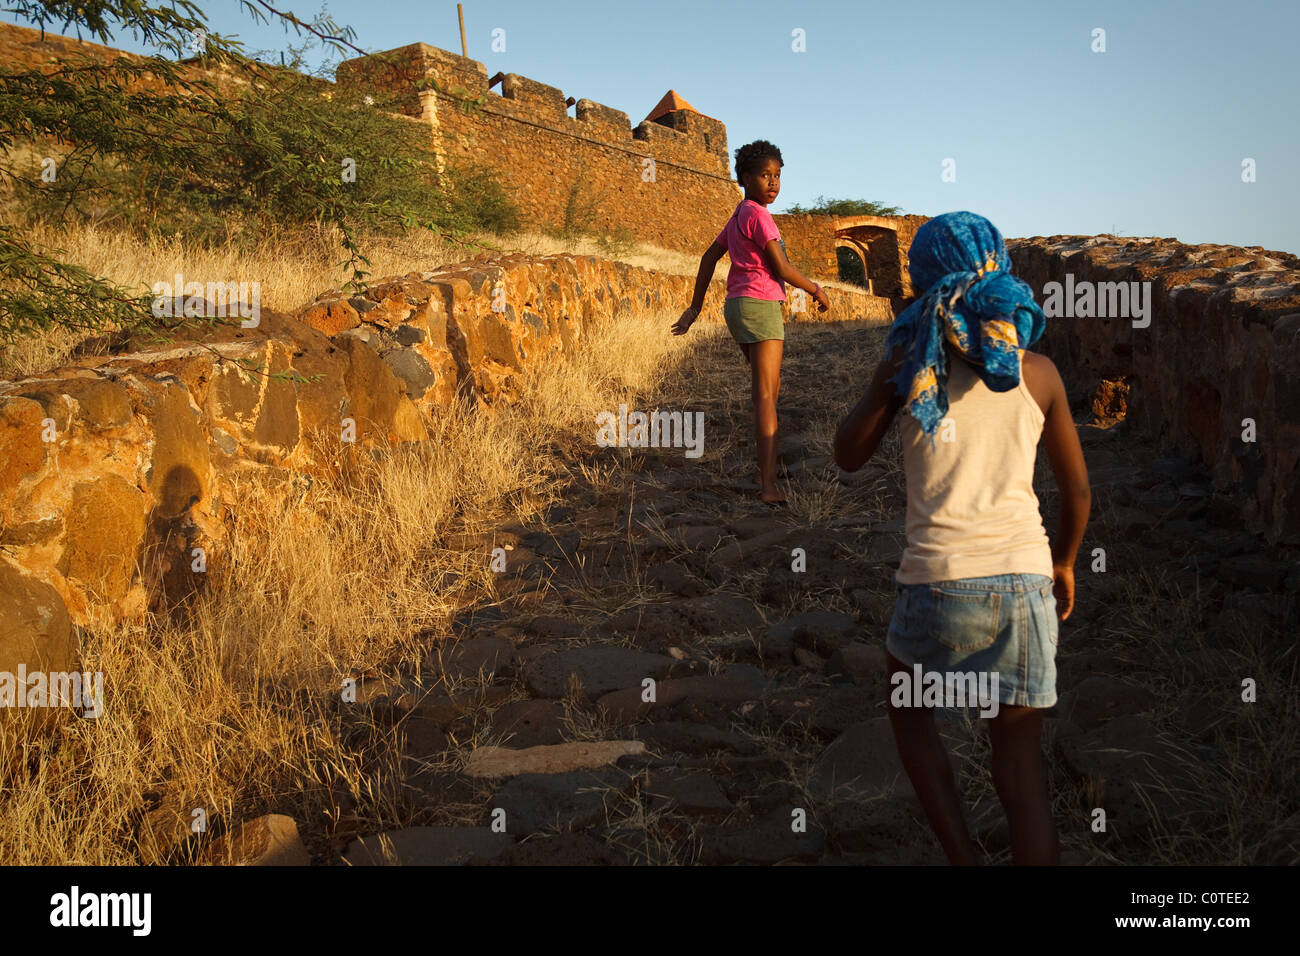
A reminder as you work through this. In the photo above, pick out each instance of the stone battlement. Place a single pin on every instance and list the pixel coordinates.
(404, 80)
(665, 182)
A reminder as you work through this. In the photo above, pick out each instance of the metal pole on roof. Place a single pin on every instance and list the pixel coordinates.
(460, 15)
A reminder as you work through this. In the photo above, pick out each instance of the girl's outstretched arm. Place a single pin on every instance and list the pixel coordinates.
(784, 270)
(860, 433)
(708, 263)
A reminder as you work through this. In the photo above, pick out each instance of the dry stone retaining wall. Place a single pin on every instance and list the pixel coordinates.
(1223, 346)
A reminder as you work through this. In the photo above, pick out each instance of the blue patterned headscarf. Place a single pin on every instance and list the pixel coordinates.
(968, 296)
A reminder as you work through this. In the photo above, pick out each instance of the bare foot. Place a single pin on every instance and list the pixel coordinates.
(772, 495)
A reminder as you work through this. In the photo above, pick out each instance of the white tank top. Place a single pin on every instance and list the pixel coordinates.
(971, 507)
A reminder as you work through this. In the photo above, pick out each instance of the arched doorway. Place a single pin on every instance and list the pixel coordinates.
(852, 261)
(875, 238)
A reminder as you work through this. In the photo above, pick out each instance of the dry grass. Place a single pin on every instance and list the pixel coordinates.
(292, 269)
(237, 711)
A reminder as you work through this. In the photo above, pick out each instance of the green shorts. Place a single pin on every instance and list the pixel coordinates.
(754, 320)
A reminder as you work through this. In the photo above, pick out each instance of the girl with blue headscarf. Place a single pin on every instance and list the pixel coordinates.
(972, 302)
(979, 582)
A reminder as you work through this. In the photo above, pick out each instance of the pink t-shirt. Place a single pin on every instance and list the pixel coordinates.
(745, 234)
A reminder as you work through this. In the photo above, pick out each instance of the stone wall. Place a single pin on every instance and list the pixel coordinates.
(1223, 345)
(590, 169)
(115, 468)
(25, 48)
(810, 241)
(22, 48)
(810, 244)
(905, 229)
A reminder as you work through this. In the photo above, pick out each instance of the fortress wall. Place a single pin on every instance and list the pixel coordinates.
(25, 48)
(906, 227)
(810, 241)
(1222, 346)
(589, 170)
(810, 244)
(593, 185)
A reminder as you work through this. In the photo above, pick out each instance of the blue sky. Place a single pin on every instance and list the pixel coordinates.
(1048, 137)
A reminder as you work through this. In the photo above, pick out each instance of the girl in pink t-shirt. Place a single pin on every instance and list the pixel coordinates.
(755, 291)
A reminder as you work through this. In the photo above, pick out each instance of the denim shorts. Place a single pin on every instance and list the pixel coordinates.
(1004, 625)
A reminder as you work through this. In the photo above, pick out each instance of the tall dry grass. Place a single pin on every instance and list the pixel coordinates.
(237, 710)
(292, 269)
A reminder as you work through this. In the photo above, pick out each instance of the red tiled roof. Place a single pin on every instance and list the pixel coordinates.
(670, 102)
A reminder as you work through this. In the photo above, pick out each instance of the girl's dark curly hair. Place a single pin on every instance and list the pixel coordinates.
(750, 157)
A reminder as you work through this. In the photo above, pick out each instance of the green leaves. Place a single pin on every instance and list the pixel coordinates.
(155, 147)
(844, 207)
(39, 292)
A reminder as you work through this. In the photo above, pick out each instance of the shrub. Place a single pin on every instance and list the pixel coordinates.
(844, 207)
(217, 149)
